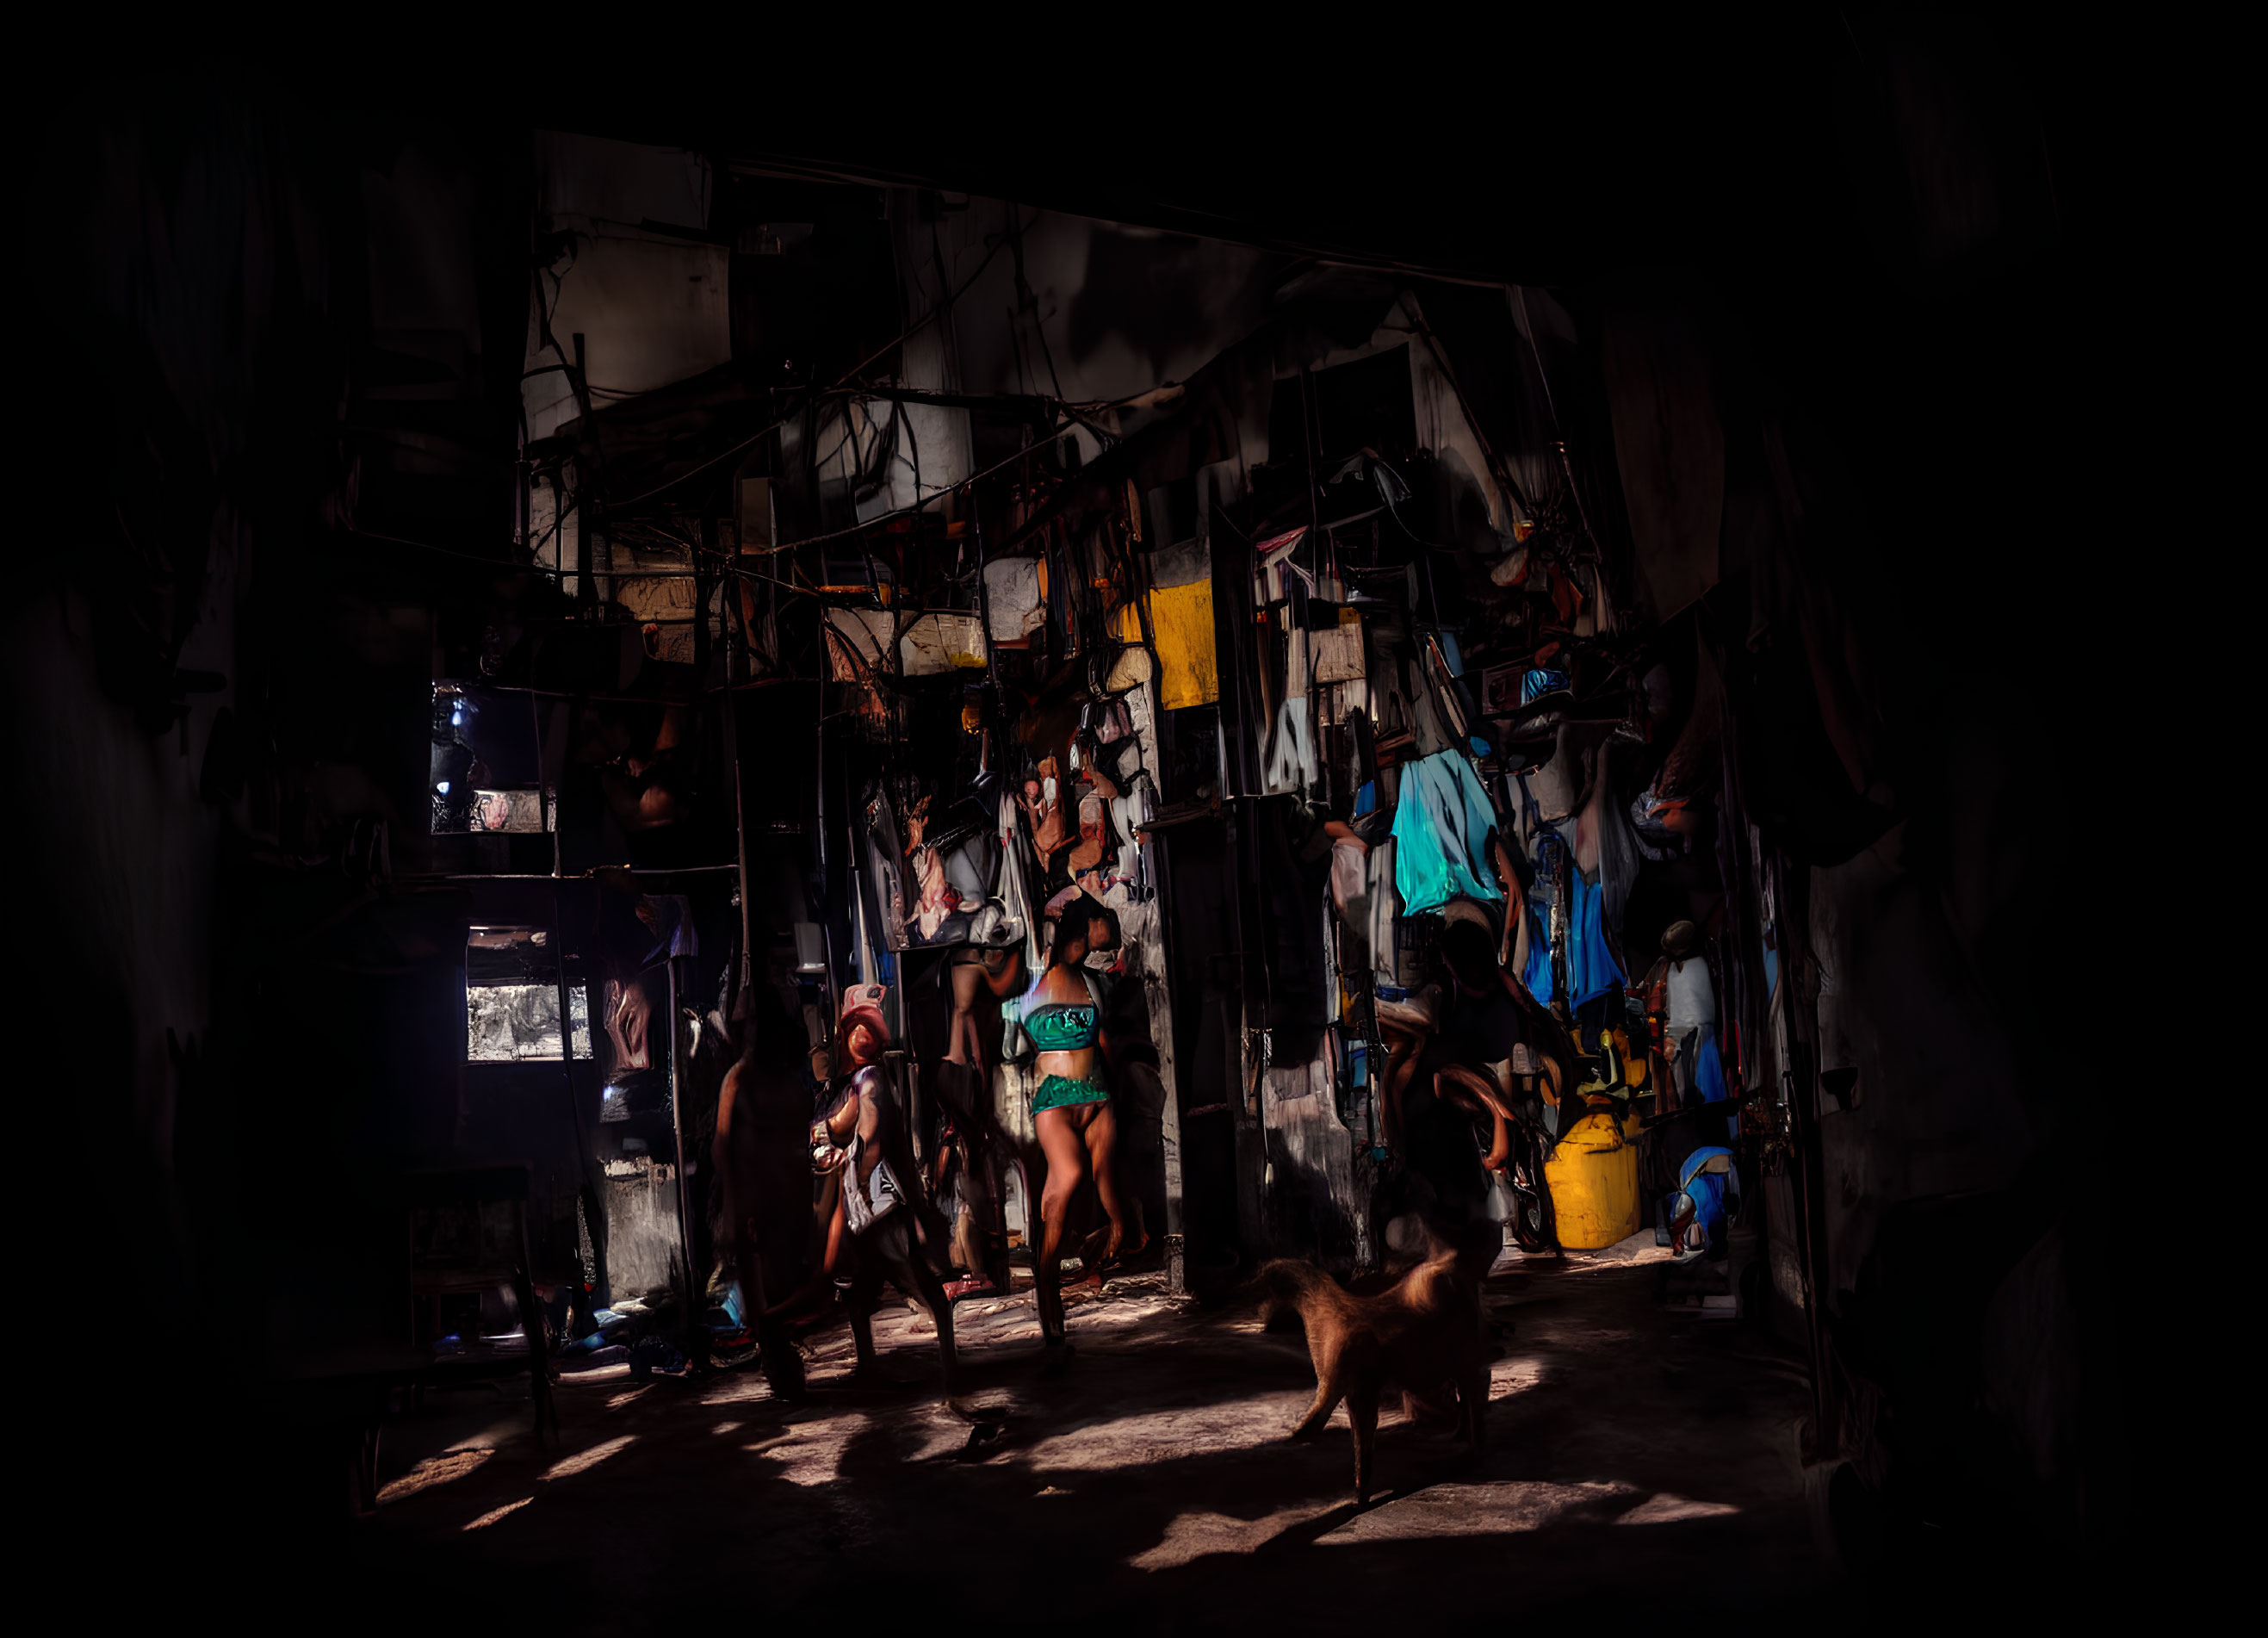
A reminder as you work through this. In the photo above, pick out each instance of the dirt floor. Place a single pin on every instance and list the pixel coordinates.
(1630, 1450)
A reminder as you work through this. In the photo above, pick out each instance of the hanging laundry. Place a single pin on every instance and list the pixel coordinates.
(1691, 998)
(1130, 813)
(1383, 908)
(1292, 755)
(1592, 969)
(1708, 1066)
(1335, 632)
(1111, 721)
(1536, 976)
(1351, 891)
(1433, 735)
(1181, 627)
(1441, 825)
(1012, 599)
(1043, 802)
(1013, 890)
(1553, 786)
(885, 863)
(628, 1013)
(1617, 848)
(1095, 796)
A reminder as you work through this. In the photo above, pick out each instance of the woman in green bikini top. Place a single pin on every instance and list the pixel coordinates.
(1070, 1106)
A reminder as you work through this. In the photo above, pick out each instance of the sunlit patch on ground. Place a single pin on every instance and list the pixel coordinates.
(568, 1467)
(1139, 1440)
(1195, 1535)
(1669, 1509)
(814, 1454)
(438, 1469)
(739, 1389)
(1157, 1457)
(494, 1514)
(1476, 1511)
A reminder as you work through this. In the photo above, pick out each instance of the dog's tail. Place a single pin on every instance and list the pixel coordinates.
(1471, 1248)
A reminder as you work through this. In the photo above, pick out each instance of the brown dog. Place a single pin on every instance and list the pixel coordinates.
(1422, 1335)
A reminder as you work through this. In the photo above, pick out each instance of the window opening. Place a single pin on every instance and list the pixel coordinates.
(486, 773)
(512, 997)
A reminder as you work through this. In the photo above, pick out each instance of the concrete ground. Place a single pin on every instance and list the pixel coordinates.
(1632, 1455)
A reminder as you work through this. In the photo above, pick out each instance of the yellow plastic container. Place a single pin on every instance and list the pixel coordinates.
(1593, 1176)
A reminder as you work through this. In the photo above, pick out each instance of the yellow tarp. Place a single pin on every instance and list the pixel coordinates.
(1181, 620)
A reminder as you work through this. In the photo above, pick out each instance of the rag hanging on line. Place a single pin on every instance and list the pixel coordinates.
(1291, 761)
(1592, 969)
(1441, 827)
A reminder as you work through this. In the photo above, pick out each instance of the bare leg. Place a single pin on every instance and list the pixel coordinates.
(783, 1365)
(968, 1246)
(835, 1232)
(1403, 1051)
(917, 1278)
(960, 1048)
(866, 1292)
(1047, 1279)
(1065, 1151)
(819, 1289)
(1102, 1136)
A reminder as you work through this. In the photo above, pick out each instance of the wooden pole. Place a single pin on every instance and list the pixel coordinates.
(1154, 973)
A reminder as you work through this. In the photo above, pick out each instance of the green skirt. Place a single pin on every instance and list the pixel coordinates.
(1059, 1090)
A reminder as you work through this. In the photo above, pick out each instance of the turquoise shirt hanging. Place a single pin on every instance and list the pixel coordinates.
(1441, 825)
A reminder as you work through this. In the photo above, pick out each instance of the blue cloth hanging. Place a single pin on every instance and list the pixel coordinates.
(1591, 967)
(1706, 1189)
(1441, 824)
(1537, 976)
(1709, 1069)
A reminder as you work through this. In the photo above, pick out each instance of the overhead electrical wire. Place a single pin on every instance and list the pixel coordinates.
(848, 376)
(1059, 408)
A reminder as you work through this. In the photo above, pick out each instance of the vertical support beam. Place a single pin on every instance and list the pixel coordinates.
(584, 1157)
(684, 1201)
(1148, 930)
(733, 653)
(751, 1276)
(1247, 1099)
(1797, 1025)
